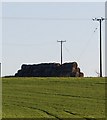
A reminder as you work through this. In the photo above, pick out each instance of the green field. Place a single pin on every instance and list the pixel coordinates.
(53, 98)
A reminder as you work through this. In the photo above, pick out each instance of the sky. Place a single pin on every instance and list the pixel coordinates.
(30, 31)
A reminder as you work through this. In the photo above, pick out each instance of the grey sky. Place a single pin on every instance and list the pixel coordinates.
(30, 32)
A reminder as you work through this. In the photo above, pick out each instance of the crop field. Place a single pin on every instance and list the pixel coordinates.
(57, 98)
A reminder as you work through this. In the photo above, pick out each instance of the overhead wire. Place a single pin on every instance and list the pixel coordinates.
(86, 45)
(70, 19)
(27, 44)
(69, 53)
(44, 18)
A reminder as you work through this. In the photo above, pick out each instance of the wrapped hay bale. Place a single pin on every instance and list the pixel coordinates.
(75, 65)
(81, 74)
(77, 74)
(50, 70)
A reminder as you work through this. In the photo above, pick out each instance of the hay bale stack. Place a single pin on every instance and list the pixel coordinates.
(50, 70)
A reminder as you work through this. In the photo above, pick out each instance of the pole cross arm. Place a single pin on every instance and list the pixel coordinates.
(99, 19)
(61, 40)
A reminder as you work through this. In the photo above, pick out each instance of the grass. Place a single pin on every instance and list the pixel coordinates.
(53, 97)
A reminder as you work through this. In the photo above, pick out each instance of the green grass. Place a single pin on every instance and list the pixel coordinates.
(53, 97)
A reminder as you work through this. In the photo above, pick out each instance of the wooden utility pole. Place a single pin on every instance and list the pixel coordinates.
(61, 41)
(100, 21)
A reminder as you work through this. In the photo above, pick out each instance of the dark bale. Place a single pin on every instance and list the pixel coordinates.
(50, 70)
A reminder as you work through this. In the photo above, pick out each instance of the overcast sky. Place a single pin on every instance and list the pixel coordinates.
(30, 32)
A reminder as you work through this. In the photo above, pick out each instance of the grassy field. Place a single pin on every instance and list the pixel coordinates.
(57, 98)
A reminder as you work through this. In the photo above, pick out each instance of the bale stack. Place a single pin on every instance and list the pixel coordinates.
(50, 70)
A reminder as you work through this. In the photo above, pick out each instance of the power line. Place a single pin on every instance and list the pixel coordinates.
(87, 43)
(70, 54)
(45, 18)
(86, 46)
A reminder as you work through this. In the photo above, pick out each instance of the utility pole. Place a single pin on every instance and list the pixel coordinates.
(100, 21)
(0, 69)
(61, 41)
